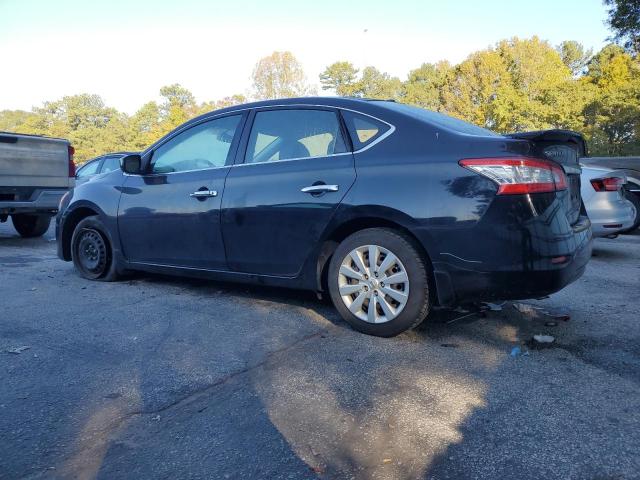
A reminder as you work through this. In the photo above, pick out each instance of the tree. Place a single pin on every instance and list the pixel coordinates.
(279, 75)
(235, 99)
(424, 86)
(376, 84)
(341, 77)
(612, 118)
(574, 56)
(624, 20)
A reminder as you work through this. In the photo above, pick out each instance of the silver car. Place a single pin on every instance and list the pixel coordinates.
(608, 209)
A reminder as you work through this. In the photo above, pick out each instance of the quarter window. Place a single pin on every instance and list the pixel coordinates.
(87, 169)
(287, 134)
(110, 164)
(204, 146)
(362, 129)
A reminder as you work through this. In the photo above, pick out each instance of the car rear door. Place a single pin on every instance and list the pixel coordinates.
(295, 168)
(171, 215)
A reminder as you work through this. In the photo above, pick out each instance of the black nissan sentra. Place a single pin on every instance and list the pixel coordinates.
(393, 210)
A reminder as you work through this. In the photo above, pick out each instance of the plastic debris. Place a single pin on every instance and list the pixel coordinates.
(19, 350)
(524, 308)
(515, 351)
(494, 307)
(543, 338)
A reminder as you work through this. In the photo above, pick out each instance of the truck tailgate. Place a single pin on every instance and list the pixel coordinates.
(33, 161)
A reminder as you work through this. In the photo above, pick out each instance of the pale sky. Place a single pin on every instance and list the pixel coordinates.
(125, 50)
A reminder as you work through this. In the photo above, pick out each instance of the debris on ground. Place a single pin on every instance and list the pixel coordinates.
(386, 460)
(565, 317)
(541, 341)
(156, 418)
(524, 308)
(516, 351)
(18, 350)
(494, 307)
(551, 324)
(449, 345)
(544, 338)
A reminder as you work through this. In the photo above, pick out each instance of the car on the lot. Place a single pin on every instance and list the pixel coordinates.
(35, 172)
(630, 166)
(393, 210)
(96, 166)
(609, 210)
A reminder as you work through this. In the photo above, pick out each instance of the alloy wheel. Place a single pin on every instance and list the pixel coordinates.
(373, 284)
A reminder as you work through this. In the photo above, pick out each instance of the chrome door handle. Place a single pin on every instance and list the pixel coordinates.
(204, 194)
(320, 188)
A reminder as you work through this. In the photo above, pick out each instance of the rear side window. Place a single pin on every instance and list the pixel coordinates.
(288, 134)
(362, 129)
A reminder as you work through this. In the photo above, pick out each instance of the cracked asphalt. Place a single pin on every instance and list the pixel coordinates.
(159, 377)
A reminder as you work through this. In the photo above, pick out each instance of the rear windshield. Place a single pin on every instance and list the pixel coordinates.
(440, 120)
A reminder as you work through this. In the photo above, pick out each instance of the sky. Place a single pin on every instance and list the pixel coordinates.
(125, 50)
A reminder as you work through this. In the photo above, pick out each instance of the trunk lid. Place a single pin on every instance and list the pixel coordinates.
(564, 147)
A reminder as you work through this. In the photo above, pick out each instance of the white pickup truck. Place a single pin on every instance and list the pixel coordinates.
(35, 172)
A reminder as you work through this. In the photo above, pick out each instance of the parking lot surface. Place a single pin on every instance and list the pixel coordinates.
(158, 377)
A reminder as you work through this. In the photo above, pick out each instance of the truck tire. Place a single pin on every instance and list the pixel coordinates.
(30, 225)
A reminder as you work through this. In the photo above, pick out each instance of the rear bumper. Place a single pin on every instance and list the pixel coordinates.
(42, 201)
(457, 285)
(497, 260)
(610, 213)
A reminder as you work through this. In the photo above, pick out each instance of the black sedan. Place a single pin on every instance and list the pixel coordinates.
(391, 209)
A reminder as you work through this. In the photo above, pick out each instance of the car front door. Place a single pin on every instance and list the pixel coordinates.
(295, 169)
(171, 215)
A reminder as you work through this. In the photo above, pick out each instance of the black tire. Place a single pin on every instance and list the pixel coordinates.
(30, 225)
(417, 305)
(633, 198)
(92, 252)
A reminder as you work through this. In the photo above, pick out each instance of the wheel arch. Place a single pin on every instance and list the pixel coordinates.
(355, 223)
(69, 223)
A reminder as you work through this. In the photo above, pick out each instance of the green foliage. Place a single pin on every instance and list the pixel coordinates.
(574, 56)
(341, 77)
(624, 20)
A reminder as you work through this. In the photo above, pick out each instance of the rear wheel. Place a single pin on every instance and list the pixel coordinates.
(92, 252)
(31, 225)
(378, 282)
(633, 198)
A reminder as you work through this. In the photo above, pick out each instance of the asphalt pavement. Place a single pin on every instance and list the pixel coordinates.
(160, 377)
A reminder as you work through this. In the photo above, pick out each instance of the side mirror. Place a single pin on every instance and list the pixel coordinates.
(131, 164)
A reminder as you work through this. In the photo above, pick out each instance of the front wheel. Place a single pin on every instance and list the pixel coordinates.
(91, 251)
(378, 282)
(30, 225)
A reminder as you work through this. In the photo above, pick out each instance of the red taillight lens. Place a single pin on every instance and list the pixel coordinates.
(519, 175)
(72, 165)
(610, 184)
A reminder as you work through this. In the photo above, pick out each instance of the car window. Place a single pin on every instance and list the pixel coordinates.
(110, 164)
(204, 146)
(290, 133)
(89, 168)
(363, 130)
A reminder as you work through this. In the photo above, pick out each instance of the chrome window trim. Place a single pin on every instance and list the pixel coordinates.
(213, 116)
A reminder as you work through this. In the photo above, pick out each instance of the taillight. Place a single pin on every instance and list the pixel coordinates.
(609, 184)
(519, 175)
(72, 165)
